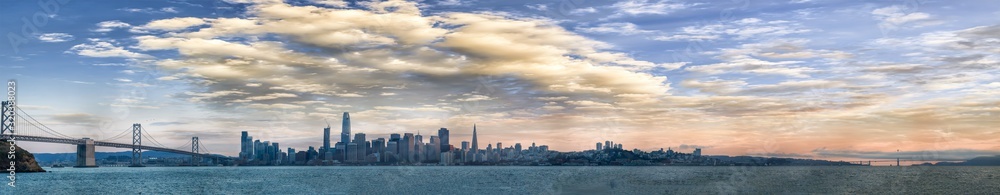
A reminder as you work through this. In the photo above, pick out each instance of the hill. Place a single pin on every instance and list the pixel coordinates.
(24, 161)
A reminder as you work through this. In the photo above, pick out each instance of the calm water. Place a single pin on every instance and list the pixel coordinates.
(511, 180)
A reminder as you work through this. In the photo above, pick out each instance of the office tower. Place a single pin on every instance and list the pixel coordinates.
(359, 139)
(489, 152)
(465, 145)
(326, 138)
(443, 135)
(301, 157)
(340, 152)
(378, 148)
(243, 145)
(267, 148)
(475, 142)
(434, 148)
(291, 156)
(345, 133)
(352, 152)
(311, 154)
(392, 151)
(517, 148)
(607, 144)
(697, 152)
(499, 147)
(543, 148)
(406, 148)
(275, 158)
(418, 147)
(258, 152)
(598, 146)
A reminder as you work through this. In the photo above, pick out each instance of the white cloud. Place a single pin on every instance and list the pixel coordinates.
(108, 26)
(583, 11)
(55, 37)
(897, 16)
(643, 7)
(623, 28)
(743, 29)
(538, 7)
(104, 50)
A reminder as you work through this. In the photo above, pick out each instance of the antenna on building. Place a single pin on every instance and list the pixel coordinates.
(327, 123)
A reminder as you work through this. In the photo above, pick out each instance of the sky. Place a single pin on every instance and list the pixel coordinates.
(824, 79)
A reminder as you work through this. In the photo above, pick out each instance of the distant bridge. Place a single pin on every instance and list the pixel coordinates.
(18, 125)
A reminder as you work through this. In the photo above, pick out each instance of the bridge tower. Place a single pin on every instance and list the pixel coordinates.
(195, 147)
(136, 145)
(7, 120)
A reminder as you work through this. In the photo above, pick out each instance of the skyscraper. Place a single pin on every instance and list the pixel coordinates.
(362, 151)
(599, 146)
(475, 141)
(244, 143)
(465, 145)
(406, 147)
(326, 138)
(345, 132)
(517, 148)
(443, 135)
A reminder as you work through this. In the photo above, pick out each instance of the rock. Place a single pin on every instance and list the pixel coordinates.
(24, 161)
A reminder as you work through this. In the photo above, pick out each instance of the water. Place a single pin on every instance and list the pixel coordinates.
(510, 180)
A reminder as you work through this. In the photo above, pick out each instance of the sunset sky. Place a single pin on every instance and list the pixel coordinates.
(825, 79)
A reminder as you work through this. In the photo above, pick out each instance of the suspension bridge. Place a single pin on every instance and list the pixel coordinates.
(20, 126)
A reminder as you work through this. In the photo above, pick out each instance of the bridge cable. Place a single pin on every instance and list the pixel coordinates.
(40, 123)
(146, 134)
(120, 135)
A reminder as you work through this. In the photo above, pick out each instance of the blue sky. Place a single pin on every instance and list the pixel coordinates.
(817, 78)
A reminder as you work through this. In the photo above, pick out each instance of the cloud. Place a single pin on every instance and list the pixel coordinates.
(743, 29)
(108, 26)
(583, 11)
(622, 28)
(647, 7)
(898, 16)
(55, 37)
(397, 45)
(102, 49)
(77, 119)
(173, 24)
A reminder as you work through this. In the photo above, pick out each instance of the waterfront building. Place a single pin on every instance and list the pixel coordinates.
(443, 135)
(345, 129)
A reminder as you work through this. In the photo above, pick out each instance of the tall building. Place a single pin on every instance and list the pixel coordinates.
(345, 129)
(378, 148)
(607, 144)
(697, 152)
(392, 151)
(434, 148)
(291, 156)
(465, 145)
(245, 146)
(352, 155)
(443, 135)
(326, 138)
(517, 148)
(275, 154)
(418, 148)
(599, 146)
(406, 148)
(475, 141)
(362, 151)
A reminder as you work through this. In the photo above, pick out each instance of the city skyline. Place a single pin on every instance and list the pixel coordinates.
(807, 79)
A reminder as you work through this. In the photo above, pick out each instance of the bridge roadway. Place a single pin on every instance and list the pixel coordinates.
(103, 144)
